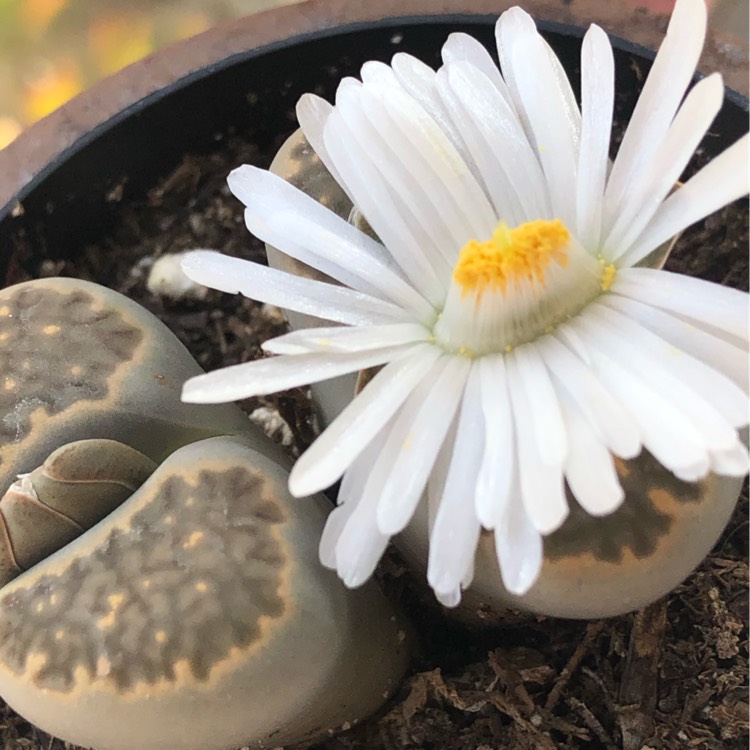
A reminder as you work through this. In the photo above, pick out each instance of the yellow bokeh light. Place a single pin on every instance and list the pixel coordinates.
(52, 49)
(52, 87)
(117, 41)
(37, 14)
(190, 24)
(9, 129)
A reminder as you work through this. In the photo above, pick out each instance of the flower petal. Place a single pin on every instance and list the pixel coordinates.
(677, 377)
(703, 301)
(497, 142)
(544, 409)
(519, 549)
(436, 480)
(391, 221)
(278, 374)
(555, 135)
(461, 47)
(515, 29)
(454, 537)
(696, 114)
(375, 71)
(589, 468)
(349, 495)
(723, 180)
(665, 431)
(427, 152)
(286, 290)
(299, 226)
(597, 103)
(657, 104)
(733, 462)
(312, 115)
(541, 483)
(514, 26)
(360, 545)
(493, 483)
(501, 192)
(345, 438)
(419, 431)
(407, 179)
(718, 405)
(419, 80)
(343, 340)
(611, 423)
(723, 356)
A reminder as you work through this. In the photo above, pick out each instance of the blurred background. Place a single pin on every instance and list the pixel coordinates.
(52, 49)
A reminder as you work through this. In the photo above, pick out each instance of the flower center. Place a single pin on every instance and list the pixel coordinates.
(512, 256)
(517, 286)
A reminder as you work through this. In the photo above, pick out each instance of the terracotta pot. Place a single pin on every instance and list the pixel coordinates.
(129, 107)
(63, 181)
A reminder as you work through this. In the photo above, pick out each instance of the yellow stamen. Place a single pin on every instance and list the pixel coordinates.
(608, 277)
(520, 254)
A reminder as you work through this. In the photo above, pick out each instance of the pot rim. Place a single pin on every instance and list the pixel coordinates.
(40, 149)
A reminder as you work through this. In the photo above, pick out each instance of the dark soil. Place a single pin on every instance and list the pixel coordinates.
(671, 676)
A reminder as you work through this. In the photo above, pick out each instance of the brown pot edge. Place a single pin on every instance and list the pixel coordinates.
(46, 140)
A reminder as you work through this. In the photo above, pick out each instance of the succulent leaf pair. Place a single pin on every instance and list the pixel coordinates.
(172, 595)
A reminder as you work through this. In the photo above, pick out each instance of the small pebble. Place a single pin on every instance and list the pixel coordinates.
(273, 314)
(272, 423)
(167, 279)
(49, 268)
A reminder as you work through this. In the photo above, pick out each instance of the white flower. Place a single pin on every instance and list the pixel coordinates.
(522, 347)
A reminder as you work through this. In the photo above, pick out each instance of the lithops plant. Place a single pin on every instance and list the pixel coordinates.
(76, 487)
(161, 590)
(603, 566)
(297, 162)
(197, 616)
(593, 566)
(530, 357)
(80, 361)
